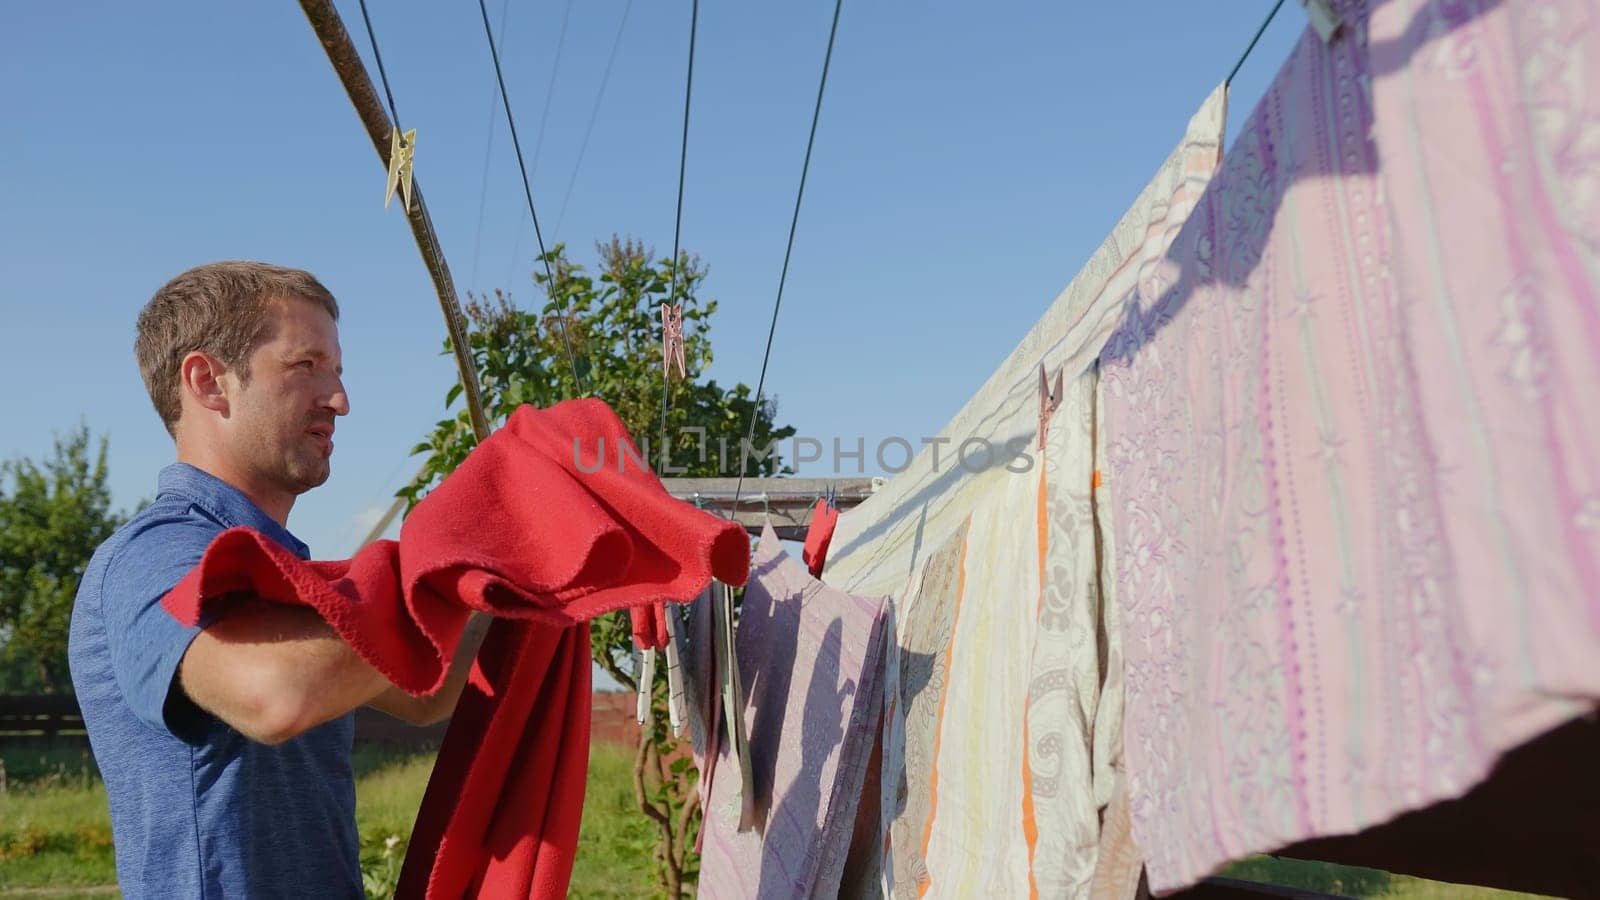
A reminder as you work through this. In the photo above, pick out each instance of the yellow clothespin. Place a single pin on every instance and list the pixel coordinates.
(402, 148)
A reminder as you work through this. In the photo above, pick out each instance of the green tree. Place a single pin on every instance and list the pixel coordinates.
(52, 517)
(613, 324)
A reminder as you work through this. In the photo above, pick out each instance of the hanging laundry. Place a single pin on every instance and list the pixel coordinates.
(1063, 727)
(1119, 869)
(675, 695)
(649, 626)
(824, 516)
(924, 648)
(876, 545)
(1003, 710)
(695, 638)
(811, 661)
(1351, 437)
(652, 636)
(999, 682)
(733, 766)
(1517, 231)
(704, 642)
(500, 817)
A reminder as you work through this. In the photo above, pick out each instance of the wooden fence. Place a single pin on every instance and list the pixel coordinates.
(46, 716)
(54, 718)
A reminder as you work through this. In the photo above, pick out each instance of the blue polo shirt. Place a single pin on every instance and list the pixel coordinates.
(197, 809)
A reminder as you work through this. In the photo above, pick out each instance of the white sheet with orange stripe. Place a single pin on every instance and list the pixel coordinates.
(1004, 716)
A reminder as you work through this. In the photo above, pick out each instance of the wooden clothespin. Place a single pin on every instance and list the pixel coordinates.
(646, 673)
(664, 635)
(677, 706)
(672, 339)
(402, 150)
(1323, 18)
(1049, 399)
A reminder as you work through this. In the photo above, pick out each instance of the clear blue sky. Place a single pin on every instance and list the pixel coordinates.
(970, 158)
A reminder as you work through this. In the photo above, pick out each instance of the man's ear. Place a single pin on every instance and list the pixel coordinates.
(200, 380)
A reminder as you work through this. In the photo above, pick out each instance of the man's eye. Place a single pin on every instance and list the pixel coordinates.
(306, 364)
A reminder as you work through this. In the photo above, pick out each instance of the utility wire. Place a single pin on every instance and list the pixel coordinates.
(816, 114)
(488, 152)
(677, 231)
(594, 114)
(527, 190)
(428, 242)
(544, 117)
(383, 76)
(683, 148)
(550, 90)
(1242, 57)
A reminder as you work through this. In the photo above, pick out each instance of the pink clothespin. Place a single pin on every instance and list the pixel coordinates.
(672, 339)
(1049, 399)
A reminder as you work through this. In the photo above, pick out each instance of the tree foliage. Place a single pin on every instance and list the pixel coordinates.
(612, 323)
(52, 517)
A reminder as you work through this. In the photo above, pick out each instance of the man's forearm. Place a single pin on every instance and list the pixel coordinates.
(438, 706)
(273, 672)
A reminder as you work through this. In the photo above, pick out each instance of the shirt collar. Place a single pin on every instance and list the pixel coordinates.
(226, 502)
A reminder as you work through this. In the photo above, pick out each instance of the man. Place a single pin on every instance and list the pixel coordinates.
(226, 748)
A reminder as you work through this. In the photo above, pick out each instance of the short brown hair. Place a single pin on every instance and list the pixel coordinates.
(221, 309)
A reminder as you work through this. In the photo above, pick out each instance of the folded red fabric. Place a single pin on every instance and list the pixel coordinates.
(649, 626)
(550, 522)
(819, 534)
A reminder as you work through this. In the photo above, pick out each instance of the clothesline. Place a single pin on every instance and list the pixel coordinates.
(527, 192)
(455, 323)
(677, 219)
(788, 250)
(346, 61)
(1253, 41)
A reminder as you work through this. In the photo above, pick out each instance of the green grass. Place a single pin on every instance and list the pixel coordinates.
(1311, 876)
(389, 792)
(55, 832)
(1348, 881)
(55, 828)
(1408, 888)
(616, 841)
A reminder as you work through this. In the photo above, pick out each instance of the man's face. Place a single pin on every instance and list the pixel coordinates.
(280, 424)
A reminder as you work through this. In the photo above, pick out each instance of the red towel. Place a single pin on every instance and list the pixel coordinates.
(649, 626)
(818, 535)
(520, 531)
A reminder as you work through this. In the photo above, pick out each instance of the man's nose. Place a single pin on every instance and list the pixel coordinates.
(339, 400)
